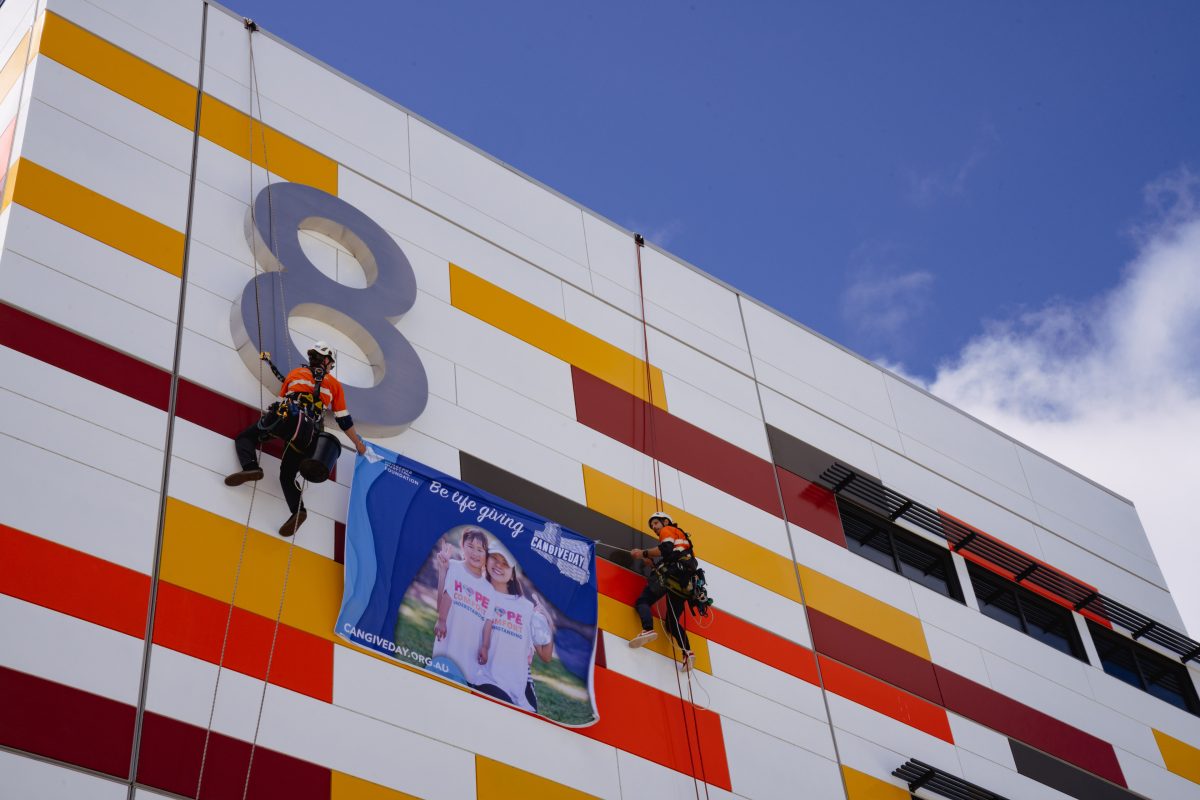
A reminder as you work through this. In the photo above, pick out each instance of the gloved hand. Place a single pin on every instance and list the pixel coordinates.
(371, 456)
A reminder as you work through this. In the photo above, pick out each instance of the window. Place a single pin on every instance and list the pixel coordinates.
(899, 550)
(1019, 608)
(1140, 666)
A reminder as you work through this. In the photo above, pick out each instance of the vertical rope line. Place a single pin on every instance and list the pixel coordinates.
(650, 437)
(237, 575)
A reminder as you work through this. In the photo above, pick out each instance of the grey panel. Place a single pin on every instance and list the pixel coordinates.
(1062, 776)
(567, 513)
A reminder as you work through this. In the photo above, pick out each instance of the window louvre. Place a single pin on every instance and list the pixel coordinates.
(1140, 666)
(899, 550)
(1021, 609)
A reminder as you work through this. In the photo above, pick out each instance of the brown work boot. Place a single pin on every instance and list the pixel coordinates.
(242, 476)
(293, 523)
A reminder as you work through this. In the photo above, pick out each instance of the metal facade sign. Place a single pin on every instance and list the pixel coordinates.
(292, 285)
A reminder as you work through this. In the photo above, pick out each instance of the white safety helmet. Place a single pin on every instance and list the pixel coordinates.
(321, 349)
(664, 516)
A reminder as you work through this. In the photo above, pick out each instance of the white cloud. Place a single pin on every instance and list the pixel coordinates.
(1111, 388)
(882, 304)
(926, 187)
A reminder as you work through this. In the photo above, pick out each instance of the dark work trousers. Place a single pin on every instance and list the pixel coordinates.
(675, 607)
(246, 445)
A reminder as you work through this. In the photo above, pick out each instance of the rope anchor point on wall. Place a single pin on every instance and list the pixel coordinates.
(251, 25)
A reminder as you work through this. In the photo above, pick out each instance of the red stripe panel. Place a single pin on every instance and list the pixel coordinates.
(64, 723)
(171, 754)
(723, 628)
(991, 566)
(620, 415)
(642, 720)
(195, 625)
(53, 576)
(759, 644)
(884, 660)
(886, 699)
(988, 707)
(108, 594)
(810, 506)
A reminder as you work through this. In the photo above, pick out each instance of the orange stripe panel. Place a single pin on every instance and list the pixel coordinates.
(191, 623)
(669, 731)
(54, 576)
(886, 699)
(723, 628)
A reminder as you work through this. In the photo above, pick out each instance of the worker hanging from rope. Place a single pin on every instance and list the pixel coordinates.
(674, 576)
(297, 418)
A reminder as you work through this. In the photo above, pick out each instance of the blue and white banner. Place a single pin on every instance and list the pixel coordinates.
(445, 577)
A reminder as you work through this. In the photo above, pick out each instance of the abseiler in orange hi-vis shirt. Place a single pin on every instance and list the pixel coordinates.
(300, 381)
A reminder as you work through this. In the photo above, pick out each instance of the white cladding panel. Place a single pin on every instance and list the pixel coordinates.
(85, 462)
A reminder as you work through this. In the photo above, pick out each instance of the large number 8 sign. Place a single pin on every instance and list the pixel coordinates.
(292, 285)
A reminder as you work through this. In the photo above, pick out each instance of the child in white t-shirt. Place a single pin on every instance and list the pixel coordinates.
(464, 604)
(515, 630)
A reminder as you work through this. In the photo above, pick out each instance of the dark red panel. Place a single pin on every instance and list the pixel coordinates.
(122, 373)
(339, 542)
(988, 707)
(170, 760)
(64, 723)
(628, 419)
(810, 506)
(87, 359)
(861, 650)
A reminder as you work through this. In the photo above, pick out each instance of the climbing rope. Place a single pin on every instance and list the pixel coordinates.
(254, 94)
(651, 441)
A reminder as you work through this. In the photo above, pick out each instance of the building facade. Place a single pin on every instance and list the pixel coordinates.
(907, 600)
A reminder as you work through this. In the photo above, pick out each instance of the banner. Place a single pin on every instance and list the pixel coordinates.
(445, 577)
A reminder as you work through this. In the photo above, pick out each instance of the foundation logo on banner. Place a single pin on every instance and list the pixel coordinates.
(572, 557)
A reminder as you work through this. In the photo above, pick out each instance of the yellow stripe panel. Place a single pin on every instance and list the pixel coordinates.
(224, 125)
(12, 70)
(1179, 756)
(755, 563)
(759, 565)
(116, 69)
(200, 552)
(556, 336)
(175, 99)
(348, 787)
(496, 781)
(861, 786)
(864, 612)
(92, 214)
(621, 620)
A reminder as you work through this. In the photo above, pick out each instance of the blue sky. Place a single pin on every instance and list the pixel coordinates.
(999, 200)
(996, 151)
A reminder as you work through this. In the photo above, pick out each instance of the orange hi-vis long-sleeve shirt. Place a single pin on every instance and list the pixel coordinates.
(300, 381)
